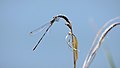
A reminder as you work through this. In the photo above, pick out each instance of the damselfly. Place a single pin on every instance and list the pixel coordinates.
(47, 27)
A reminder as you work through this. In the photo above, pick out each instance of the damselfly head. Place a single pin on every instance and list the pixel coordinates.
(56, 18)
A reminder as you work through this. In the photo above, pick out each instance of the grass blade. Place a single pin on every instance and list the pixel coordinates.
(110, 58)
(94, 50)
(75, 52)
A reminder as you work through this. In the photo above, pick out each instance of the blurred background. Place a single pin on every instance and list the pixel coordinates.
(19, 17)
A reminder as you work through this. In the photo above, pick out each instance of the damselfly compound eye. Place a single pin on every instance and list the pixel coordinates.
(56, 18)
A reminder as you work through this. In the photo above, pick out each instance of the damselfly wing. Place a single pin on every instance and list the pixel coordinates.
(40, 29)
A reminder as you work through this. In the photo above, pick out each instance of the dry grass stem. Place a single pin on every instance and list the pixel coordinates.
(74, 43)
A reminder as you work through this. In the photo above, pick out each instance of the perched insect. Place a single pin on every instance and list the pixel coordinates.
(47, 27)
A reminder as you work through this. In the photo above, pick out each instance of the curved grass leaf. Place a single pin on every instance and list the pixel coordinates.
(94, 50)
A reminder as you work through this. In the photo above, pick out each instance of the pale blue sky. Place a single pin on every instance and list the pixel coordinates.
(19, 17)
